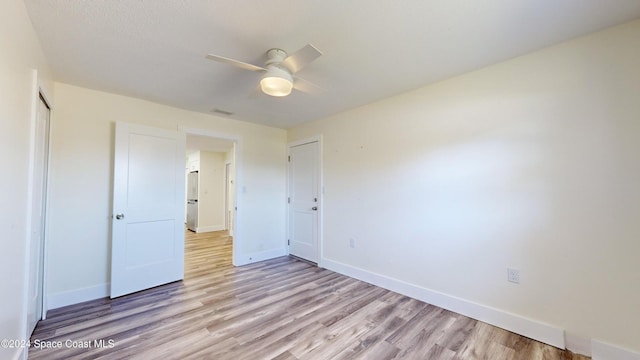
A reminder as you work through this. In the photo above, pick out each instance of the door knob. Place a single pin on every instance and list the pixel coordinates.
(119, 216)
(314, 208)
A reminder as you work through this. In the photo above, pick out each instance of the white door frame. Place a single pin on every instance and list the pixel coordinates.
(227, 198)
(45, 247)
(38, 89)
(318, 139)
(235, 200)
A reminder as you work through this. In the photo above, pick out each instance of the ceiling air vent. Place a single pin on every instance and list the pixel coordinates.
(222, 112)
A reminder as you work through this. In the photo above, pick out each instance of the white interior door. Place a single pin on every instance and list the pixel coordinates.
(147, 247)
(304, 183)
(41, 151)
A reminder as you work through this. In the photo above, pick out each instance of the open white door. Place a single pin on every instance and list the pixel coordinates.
(304, 184)
(40, 165)
(147, 245)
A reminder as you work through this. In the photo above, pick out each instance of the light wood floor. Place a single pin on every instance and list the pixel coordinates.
(277, 309)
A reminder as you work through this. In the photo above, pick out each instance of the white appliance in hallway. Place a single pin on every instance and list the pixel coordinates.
(192, 201)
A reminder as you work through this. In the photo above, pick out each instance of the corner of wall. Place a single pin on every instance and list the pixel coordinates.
(577, 344)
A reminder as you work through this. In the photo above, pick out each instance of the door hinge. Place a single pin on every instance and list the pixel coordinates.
(288, 200)
(289, 158)
(288, 242)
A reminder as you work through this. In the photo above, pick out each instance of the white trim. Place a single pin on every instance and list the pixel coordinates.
(44, 91)
(261, 256)
(318, 139)
(201, 229)
(545, 333)
(21, 354)
(38, 89)
(320, 203)
(77, 296)
(227, 198)
(577, 344)
(604, 351)
(24, 315)
(236, 201)
(308, 140)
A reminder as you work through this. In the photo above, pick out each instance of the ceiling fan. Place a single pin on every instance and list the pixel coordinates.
(279, 70)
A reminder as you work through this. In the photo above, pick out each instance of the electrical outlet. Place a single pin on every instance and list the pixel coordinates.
(513, 275)
(352, 243)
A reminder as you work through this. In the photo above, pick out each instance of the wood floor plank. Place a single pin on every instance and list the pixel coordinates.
(428, 315)
(282, 309)
(421, 345)
(285, 356)
(334, 337)
(379, 351)
(286, 323)
(268, 348)
(284, 338)
(458, 332)
(438, 352)
(385, 321)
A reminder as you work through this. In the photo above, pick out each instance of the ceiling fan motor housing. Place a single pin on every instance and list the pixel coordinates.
(275, 56)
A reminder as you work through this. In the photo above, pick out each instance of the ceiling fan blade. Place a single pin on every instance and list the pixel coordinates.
(236, 63)
(301, 58)
(306, 86)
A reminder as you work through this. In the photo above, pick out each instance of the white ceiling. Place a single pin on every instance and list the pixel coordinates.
(155, 49)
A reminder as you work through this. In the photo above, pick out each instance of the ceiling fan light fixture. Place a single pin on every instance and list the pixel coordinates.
(276, 82)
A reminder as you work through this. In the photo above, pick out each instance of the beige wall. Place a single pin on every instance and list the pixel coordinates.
(21, 53)
(211, 188)
(533, 163)
(83, 138)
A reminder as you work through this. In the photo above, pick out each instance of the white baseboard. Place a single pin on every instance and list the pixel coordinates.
(542, 332)
(76, 296)
(250, 258)
(201, 229)
(603, 351)
(577, 344)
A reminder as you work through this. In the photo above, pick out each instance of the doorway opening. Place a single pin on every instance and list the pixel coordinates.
(210, 196)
